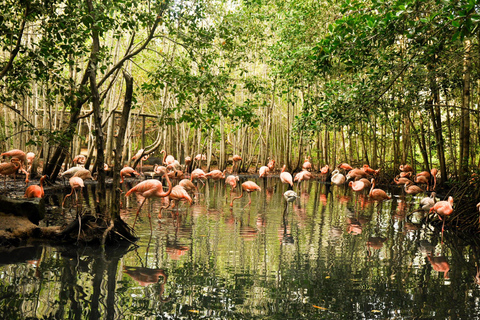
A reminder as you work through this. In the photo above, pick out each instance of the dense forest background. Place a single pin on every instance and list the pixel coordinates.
(377, 82)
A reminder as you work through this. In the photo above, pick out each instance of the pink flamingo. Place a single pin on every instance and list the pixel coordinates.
(167, 159)
(198, 174)
(377, 194)
(410, 188)
(216, 174)
(286, 177)
(79, 159)
(307, 165)
(127, 171)
(249, 187)
(178, 194)
(263, 172)
(357, 186)
(443, 209)
(75, 183)
(9, 168)
(149, 189)
(303, 175)
(15, 153)
(345, 166)
(236, 158)
(271, 165)
(35, 191)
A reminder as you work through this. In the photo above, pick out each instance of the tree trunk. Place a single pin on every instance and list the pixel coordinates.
(119, 146)
(465, 114)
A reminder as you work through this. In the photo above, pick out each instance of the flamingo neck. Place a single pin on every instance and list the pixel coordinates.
(231, 203)
(166, 194)
(372, 187)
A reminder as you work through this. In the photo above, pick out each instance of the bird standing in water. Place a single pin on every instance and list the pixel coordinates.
(149, 189)
(249, 187)
(286, 177)
(443, 209)
(377, 194)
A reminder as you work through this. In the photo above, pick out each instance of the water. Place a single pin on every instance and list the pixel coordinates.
(330, 255)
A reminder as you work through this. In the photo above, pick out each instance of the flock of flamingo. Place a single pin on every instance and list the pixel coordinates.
(359, 179)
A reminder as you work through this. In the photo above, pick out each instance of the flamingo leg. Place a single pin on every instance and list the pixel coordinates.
(150, 219)
(138, 211)
(443, 226)
(68, 195)
(249, 200)
(161, 208)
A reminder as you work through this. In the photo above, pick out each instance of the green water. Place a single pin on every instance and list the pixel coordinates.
(329, 255)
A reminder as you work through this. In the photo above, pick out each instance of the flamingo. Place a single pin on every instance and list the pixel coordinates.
(188, 160)
(357, 186)
(377, 194)
(188, 185)
(307, 165)
(167, 159)
(15, 153)
(412, 189)
(366, 182)
(406, 168)
(127, 171)
(303, 175)
(232, 181)
(434, 172)
(178, 194)
(369, 170)
(271, 165)
(149, 189)
(337, 177)
(75, 183)
(356, 174)
(249, 187)
(236, 158)
(421, 179)
(30, 157)
(325, 169)
(286, 177)
(290, 196)
(79, 159)
(9, 168)
(35, 191)
(324, 172)
(174, 173)
(83, 173)
(428, 202)
(401, 180)
(216, 174)
(406, 174)
(263, 172)
(443, 209)
(345, 166)
(71, 171)
(198, 174)
(161, 170)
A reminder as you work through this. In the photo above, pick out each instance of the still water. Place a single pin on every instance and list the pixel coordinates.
(329, 255)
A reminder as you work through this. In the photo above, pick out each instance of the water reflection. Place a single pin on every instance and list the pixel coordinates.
(328, 254)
